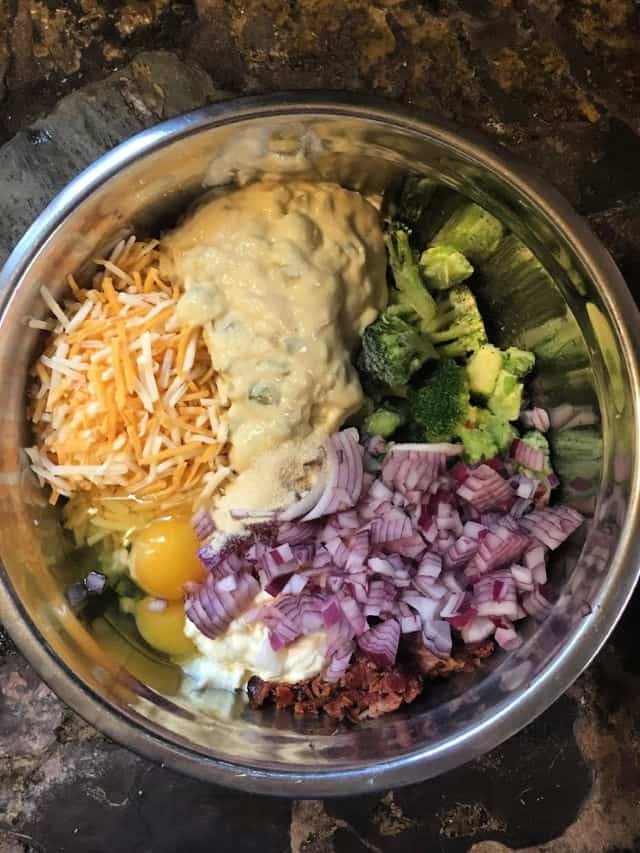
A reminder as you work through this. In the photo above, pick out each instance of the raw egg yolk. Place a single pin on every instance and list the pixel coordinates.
(165, 557)
(161, 624)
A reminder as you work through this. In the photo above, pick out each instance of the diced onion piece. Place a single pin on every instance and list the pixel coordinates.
(380, 643)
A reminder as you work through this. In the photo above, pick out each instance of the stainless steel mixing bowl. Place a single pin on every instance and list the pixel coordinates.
(364, 144)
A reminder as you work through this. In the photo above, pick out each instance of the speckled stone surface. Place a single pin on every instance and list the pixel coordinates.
(556, 82)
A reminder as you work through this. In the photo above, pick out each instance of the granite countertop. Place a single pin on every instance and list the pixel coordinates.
(555, 81)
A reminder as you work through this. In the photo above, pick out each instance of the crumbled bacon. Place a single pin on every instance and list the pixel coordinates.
(365, 690)
(464, 659)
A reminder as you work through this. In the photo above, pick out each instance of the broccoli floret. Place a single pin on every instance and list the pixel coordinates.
(483, 368)
(519, 362)
(406, 201)
(506, 399)
(487, 436)
(478, 444)
(457, 329)
(393, 349)
(384, 421)
(500, 430)
(408, 278)
(577, 453)
(472, 231)
(444, 267)
(440, 407)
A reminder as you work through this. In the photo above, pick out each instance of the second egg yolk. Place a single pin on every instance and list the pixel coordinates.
(161, 624)
(164, 558)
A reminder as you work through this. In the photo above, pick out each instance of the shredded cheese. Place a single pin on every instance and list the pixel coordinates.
(124, 403)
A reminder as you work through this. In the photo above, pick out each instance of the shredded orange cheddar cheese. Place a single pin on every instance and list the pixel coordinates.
(123, 401)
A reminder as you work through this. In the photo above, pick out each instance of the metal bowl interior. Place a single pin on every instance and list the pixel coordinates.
(100, 671)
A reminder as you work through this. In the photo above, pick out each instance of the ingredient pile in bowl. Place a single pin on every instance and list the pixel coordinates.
(299, 463)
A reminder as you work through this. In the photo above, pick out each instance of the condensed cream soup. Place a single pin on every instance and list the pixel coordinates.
(283, 278)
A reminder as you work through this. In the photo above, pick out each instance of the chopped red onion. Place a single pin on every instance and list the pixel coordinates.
(203, 524)
(485, 489)
(380, 643)
(95, 583)
(339, 662)
(393, 524)
(458, 555)
(428, 586)
(295, 584)
(499, 547)
(358, 547)
(466, 615)
(496, 595)
(296, 532)
(227, 584)
(414, 466)
(276, 561)
(410, 624)
(354, 615)
(460, 472)
(527, 456)
(507, 638)
(339, 552)
(474, 530)
(551, 526)
(437, 637)
(520, 507)
(348, 520)
(345, 472)
(490, 519)
(409, 546)
(452, 582)
(478, 629)
(525, 486)
(212, 610)
(523, 577)
(430, 566)
(222, 546)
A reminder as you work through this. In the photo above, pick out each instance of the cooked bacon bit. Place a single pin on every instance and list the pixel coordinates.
(365, 690)
(465, 659)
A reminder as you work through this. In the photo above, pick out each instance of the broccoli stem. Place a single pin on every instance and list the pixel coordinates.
(408, 279)
(383, 422)
(444, 267)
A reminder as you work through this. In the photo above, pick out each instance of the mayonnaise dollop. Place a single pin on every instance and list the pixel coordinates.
(229, 661)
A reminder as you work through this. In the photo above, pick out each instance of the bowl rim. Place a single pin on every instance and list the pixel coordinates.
(588, 638)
